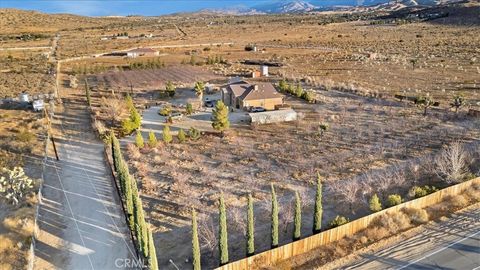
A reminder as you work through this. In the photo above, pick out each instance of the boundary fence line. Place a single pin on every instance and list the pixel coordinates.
(272, 256)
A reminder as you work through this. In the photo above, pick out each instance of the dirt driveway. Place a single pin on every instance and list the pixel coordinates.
(81, 223)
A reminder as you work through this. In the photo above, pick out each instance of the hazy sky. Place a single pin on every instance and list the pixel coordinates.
(123, 7)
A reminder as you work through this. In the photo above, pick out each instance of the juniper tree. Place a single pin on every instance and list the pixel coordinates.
(152, 139)
(152, 254)
(274, 217)
(220, 120)
(250, 227)
(181, 136)
(317, 218)
(223, 239)
(195, 243)
(375, 204)
(167, 137)
(139, 140)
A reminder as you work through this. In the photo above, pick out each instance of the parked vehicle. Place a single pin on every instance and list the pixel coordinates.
(257, 109)
(210, 103)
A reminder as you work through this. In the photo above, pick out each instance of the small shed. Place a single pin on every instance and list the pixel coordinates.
(264, 70)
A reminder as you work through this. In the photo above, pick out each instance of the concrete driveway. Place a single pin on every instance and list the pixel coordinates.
(81, 222)
(201, 120)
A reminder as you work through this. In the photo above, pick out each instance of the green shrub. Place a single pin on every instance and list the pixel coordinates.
(308, 96)
(338, 221)
(25, 136)
(418, 192)
(394, 199)
(167, 137)
(152, 140)
(194, 134)
(139, 140)
(181, 136)
(375, 204)
(189, 109)
(165, 111)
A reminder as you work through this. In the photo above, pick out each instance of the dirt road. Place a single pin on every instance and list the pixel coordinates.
(450, 244)
(81, 222)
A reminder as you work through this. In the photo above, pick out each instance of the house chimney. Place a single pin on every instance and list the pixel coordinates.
(255, 87)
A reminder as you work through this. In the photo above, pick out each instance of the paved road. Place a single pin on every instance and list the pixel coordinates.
(450, 244)
(81, 222)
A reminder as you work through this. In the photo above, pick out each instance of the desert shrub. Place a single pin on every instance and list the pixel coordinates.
(394, 222)
(394, 199)
(189, 109)
(194, 134)
(167, 136)
(165, 111)
(133, 151)
(375, 204)
(376, 233)
(473, 194)
(308, 96)
(181, 136)
(338, 221)
(152, 139)
(14, 184)
(25, 136)
(416, 216)
(418, 192)
(139, 140)
(458, 201)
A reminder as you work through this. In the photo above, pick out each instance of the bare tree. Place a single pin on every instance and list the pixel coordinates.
(287, 213)
(113, 108)
(237, 218)
(207, 232)
(451, 163)
(349, 192)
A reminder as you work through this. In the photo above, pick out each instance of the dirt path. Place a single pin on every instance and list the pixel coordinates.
(81, 223)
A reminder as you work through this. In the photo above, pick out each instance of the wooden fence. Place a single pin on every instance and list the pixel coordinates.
(270, 257)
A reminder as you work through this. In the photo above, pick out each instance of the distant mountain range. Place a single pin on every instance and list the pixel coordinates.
(301, 6)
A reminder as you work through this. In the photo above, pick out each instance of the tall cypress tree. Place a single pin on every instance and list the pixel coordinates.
(152, 254)
(87, 92)
(250, 228)
(139, 221)
(297, 230)
(123, 175)
(129, 201)
(318, 212)
(274, 228)
(223, 239)
(195, 244)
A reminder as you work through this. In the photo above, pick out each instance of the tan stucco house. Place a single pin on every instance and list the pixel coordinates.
(244, 95)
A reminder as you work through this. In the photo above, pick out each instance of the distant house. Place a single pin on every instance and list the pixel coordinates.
(142, 52)
(243, 95)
